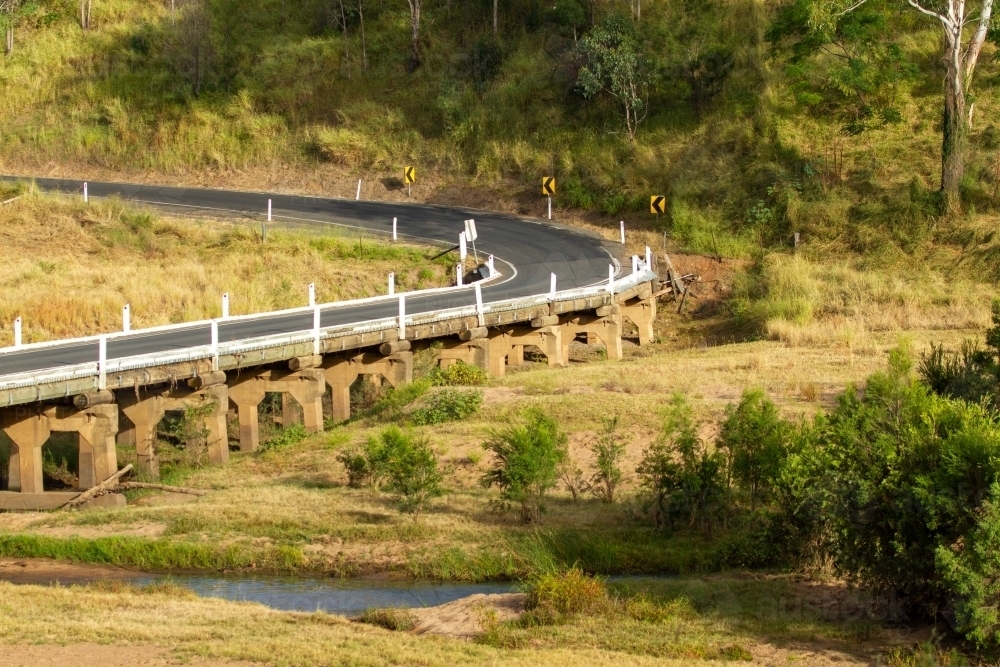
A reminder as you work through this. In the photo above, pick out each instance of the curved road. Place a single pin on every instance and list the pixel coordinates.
(527, 252)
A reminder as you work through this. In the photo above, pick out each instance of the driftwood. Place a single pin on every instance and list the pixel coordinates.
(162, 487)
(101, 488)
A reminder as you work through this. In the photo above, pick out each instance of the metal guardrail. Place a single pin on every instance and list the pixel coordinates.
(642, 272)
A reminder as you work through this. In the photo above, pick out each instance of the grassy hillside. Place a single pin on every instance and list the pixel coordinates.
(288, 93)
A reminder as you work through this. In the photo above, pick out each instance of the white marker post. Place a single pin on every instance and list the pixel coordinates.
(649, 259)
(623, 232)
(316, 317)
(635, 263)
(312, 294)
(472, 235)
(402, 317)
(225, 305)
(458, 275)
(102, 363)
(394, 229)
(86, 198)
(358, 195)
(479, 304)
(215, 345)
(126, 318)
(392, 283)
(17, 332)
(552, 287)
(611, 278)
(550, 208)
(489, 263)
(269, 210)
(463, 249)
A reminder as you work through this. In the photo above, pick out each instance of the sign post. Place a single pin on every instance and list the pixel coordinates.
(409, 177)
(657, 205)
(549, 189)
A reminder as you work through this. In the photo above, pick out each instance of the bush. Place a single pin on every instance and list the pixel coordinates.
(526, 458)
(608, 450)
(458, 373)
(286, 437)
(683, 479)
(392, 618)
(554, 597)
(447, 405)
(756, 441)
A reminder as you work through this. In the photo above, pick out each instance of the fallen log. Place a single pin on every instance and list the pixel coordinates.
(162, 487)
(101, 488)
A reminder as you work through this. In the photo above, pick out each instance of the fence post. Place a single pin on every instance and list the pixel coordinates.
(649, 259)
(463, 248)
(102, 363)
(552, 287)
(225, 305)
(316, 326)
(635, 263)
(623, 231)
(392, 283)
(402, 317)
(489, 263)
(458, 274)
(394, 229)
(611, 278)
(479, 304)
(358, 195)
(215, 345)
(17, 332)
(86, 197)
(269, 210)
(126, 318)
(312, 294)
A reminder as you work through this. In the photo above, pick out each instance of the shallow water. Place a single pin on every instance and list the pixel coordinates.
(349, 597)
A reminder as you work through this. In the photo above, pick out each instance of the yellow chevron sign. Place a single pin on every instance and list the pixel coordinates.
(658, 204)
(548, 185)
(409, 175)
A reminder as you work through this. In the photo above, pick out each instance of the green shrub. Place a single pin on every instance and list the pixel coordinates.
(286, 437)
(460, 374)
(447, 405)
(608, 451)
(526, 458)
(392, 618)
(756, 441)
(554, 597)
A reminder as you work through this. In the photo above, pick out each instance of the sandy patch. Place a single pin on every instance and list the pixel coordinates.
(94, 532)
(43, 571)
(464, 618)
(91, 655)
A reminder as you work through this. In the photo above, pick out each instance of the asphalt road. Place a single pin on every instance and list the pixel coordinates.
(526, 253)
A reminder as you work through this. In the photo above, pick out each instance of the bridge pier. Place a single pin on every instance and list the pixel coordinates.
(341, 372)
(145, 413)
(607, 329)
(27, 431)
(503, 341)
(641, 310)
(471, 352)
(305, 387)
(95, 427)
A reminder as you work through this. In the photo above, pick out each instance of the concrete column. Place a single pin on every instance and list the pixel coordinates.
(96, 436)
(291, 412)
(551, 345)
(606, 329)
(472, 352)
(246, 393)
(516, 356)
(642, 313)
(215, 424)
(307, 388)
(27, 432)
(397, 369)
(145, 414)
(340, 376)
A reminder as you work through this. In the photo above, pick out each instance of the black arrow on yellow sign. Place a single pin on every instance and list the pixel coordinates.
(548, 185)
(409, 175)
(657, 205)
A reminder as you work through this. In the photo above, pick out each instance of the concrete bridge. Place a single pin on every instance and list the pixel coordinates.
(543, 285)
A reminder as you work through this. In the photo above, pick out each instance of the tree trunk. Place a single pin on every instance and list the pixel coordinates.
(495, 17)
(415, 36)
(364, 49)
(9, 44)
(955, 131)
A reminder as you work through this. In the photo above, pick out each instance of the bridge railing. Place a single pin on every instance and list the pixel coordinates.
(103, 366)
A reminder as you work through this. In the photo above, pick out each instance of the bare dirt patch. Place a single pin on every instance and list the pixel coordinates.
(89, 655)
(43, 571)
(465, 618)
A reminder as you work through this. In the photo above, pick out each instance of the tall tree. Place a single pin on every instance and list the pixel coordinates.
(414, 35)
(961, 49)
(11, 13)
(85, 7)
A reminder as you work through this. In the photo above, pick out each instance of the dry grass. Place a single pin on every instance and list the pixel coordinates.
(69, 268)
(756, 615)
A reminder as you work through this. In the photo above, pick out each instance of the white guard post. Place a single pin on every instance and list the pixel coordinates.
(102, 363)
(402, 317)
(126, 318)
(85, 197)
(215, 345)
(552, 287)
(312, 294)
(358, 195)
(17, 332)
(269, 210)
(392, 283)
(316, 318)
(649, 259)
(611, 278)
(394, 229)
(623, 232)
(635, 263)
(479, 304)
(463, 248)
(225, 305)
(458, 275)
